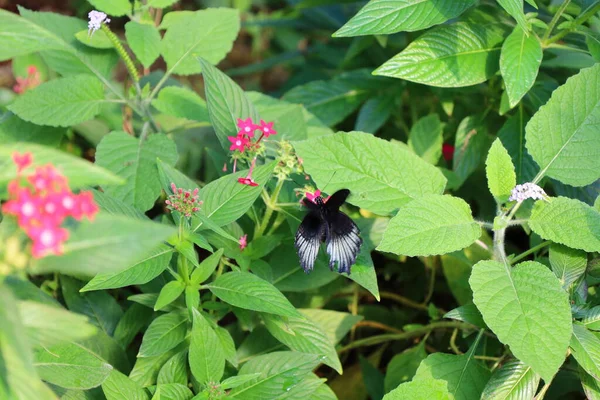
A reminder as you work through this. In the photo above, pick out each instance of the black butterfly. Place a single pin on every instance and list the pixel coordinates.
(326, 223)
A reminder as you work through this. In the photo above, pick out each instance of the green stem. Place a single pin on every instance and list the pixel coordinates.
(374, 340)
(578, 21)
(555, 20)
(124, 56)
(271, 205)
(530, 251)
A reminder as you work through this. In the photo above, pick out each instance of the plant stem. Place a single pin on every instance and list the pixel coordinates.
(377, 325)
(271, 204)
(530, 251)
(403, 300)
(373, 340)
(555, 19)
(578, 21)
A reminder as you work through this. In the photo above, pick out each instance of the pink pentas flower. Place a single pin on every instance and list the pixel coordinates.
(243, 241)
(247, 127)
(238, 142)
(47, 239)
(312, 196)
(267, 128)
(25, 206)
(248, 179)
(85, 206)
(47, 178)
(22, 161)
(32, 80)
(183, 201)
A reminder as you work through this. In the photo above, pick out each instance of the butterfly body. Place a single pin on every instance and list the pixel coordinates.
(326, 223)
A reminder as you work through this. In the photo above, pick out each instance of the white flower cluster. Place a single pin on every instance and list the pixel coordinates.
(526, 191)
(97, 18)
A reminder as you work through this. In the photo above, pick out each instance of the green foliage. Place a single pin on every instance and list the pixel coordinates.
(206, 356)
(500, 172)
(144, 40)
(514, 380)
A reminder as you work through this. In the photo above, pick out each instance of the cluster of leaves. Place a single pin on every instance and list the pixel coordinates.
(146, 303)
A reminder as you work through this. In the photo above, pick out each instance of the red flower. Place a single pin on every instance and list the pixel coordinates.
(247, 181)
(243, 242)
(22, 161)
(247, 127)
(312, 196)
(238, 142)
(47, 239)
(267, 128)
(33, 79)
(448, 151)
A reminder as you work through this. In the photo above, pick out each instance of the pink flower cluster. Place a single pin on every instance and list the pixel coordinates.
(33, 79)
(184, 201)
(41, 206)
(242, 141)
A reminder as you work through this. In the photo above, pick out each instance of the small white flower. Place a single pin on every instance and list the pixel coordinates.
(526, 191)
(97, 18)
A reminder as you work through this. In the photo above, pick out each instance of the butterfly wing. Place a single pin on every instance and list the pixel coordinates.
(343, 241)
(308, 239)
(336, 200)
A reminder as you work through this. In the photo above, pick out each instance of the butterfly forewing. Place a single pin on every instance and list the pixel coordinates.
(308, 239)
(343, 241)
(335, 201)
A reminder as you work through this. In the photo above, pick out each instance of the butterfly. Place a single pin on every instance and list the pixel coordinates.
(326, 223)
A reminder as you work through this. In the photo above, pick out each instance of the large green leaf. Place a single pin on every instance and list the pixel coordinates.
(431, 389)
(19, 36)
(175, 370)
(144, 40)
(61, 102)
(512, 135)
(226, 103)
(381, 175)
(71, 366)
(301, 334)
(568, 264)
(515, 9)
(248, 291)
(567, 221)
(163, 334)
(182, 103)
(110, 243)
(279, 372)
(118, 386)
(80, 173)
(390, 16)
(520, 60)
(426, 138)
(289, 119)
(206, 356)
(208, 34)
(135, 161)
(562, 136)
(374, 113)
(591, 386)
(506, 297)
(461, 54)
(431, 225)
(13, 129)
(402, 367)
(513, 381)
(585, 347)
(500, 172)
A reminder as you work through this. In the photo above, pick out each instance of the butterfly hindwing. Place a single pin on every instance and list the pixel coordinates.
(343, 241)
(308, 239)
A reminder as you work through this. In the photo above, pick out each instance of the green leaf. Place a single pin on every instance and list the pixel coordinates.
(520, 60)
(457, 55)
(226, 102)
(206, 268)
(135, 161)
(567, 221)
(467, 313)
(431, 225)
(138, 273)
(71, 366)
(591, 386)
(163, 334)
(381, 17)
(301, 334)
(567, 264)
(79, 172)
(133, 320)
(469, 147)
(168, 294)
(172, 391)
(466, 377)
(208, 34)
(226, 200)
(247, 291)
(279, 372)
(381, 175)
(431, 389)
(289, 119)
(145, 370)
(144, 41)
(515, 9)
(118, 386)
(174, 370)
(592, 319)
(426, 138)
(513, 381)
(402, 367)
(110, 243)
(182, 103)
(500, 172)
(227, 344)
(561, 136)
(334, 324)
(512, 135)
(48, 325)
(374, 113)
(61, 102)
(14, 130)
(505, 297)
(585, 347)
(235, 381)
(206, 357)
(98, 41)
(19, 36)
(115, 8)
